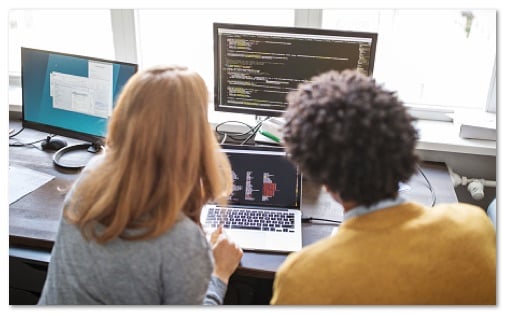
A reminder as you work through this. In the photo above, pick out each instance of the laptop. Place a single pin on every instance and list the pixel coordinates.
(263, 211)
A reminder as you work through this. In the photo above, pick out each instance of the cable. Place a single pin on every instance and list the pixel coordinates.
(231, 132)
(76, 147)
(310, 219)
(223, 140)
(17, 133)
(239, 136)
(255, 131)
(29, 144)
(433, 196)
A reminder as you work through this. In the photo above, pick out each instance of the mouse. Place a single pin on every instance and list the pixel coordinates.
(51, 144)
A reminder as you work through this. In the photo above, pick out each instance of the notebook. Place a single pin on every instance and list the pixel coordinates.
(263, 211)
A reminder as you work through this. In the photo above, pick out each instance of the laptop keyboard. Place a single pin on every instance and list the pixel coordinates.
(251, 219)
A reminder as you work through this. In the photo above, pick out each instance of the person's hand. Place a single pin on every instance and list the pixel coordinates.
(215, 234)
(227, 254)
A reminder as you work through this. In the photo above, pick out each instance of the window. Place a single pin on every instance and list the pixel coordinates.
(87, 32)
(187, 40)
(433, 58)
(68, 31)
(441, 58)
(187, 35)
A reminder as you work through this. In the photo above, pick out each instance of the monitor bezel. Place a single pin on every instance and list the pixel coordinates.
(281, 29)
(99, 140)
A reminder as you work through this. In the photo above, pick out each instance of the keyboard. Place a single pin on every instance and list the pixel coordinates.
(251, 219)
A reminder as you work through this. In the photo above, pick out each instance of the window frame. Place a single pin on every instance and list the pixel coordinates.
(127, 47)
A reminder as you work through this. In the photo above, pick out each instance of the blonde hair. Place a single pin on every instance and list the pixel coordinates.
(161, 158)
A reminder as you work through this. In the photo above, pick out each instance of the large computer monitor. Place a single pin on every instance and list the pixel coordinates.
(70, 95)
(256, 66)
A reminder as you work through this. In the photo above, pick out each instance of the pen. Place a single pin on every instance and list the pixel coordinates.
(269, 135)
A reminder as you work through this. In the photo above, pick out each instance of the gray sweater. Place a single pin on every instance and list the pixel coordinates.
(174, 268)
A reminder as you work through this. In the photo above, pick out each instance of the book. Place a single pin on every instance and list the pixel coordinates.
(476, 125)
(477, 132)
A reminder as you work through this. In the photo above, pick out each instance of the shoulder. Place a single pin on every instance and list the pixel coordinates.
(459, 207)
(461, 214)
(447, 213)
(457, 218)
(463, 222)
(95, 162)
(187, 236)
(308, 257)
(186, 230)
(305, 270)
(92, 164)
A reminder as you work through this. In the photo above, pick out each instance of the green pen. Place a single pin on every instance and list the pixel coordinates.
(270, 136)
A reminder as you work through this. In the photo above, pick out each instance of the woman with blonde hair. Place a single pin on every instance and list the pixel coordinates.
(130, 231)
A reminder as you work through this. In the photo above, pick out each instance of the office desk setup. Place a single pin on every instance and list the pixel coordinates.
(33, 219)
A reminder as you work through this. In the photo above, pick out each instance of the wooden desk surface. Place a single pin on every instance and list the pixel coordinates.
(33, 219)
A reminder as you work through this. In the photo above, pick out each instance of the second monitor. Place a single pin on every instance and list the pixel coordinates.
(70, 95)
(256, 66)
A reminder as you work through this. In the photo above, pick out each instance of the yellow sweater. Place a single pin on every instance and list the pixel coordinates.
(406, 254)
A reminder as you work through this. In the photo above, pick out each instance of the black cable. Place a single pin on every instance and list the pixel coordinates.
(17, 133)
(430, 187)
(254, 132)
(239, 136)
(92, 148)
(433, 201)
(309, 219)
(230, 132)
(28, 144)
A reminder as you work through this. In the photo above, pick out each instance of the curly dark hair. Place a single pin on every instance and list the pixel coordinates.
(346, 132)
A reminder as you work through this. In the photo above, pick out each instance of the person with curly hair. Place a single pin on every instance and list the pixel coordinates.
(355, 138)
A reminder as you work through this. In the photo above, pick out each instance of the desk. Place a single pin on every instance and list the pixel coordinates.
(33, 220)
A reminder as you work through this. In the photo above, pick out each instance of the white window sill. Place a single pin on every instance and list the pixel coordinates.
(434, 135)
(444, 136)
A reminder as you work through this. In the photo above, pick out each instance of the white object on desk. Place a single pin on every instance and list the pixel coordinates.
(274, 126)
(23, 181)
(476, 124)
(262, 139)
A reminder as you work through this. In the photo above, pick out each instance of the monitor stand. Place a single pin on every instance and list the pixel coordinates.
(73, 163)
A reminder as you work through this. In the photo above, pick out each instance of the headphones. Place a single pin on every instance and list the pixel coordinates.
(58, 154)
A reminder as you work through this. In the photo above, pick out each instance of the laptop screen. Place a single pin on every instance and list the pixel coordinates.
(263, 178)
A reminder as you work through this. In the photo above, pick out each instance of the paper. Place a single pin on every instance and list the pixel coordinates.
(475, 118)
(475, 124)
(88, 95)
(23, 181)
